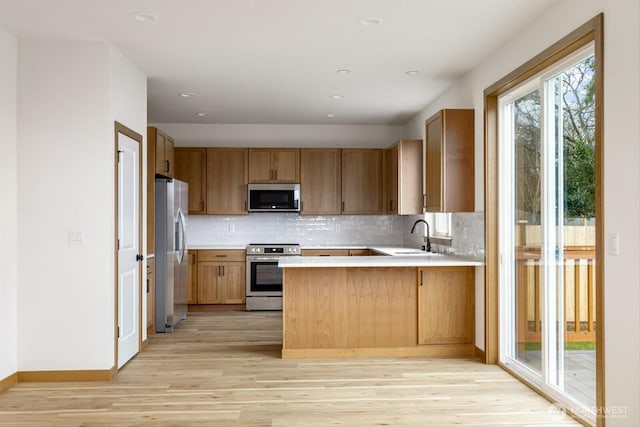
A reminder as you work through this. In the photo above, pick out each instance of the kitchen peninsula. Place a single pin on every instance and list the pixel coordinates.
(376, 306)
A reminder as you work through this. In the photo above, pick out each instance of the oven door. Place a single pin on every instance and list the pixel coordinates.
(264, 277)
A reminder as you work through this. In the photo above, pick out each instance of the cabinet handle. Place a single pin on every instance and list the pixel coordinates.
(421, 278)
(204, 208)
(220, 256)
(245, 205)
(219, 270)
(343, 206)
(148, 285)
(166, 165)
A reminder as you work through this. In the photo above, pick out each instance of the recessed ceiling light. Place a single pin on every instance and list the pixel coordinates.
(187, 94)
(337, 96)
(201, 114)
(144, 16)
(344, 71)
(412, 72)
(370, 21)
(331, 116)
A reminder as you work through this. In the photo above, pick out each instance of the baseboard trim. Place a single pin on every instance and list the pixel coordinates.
(7, 383)
(436, 350)
(480, 354)
(66, 376)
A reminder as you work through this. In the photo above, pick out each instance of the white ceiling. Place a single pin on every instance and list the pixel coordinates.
(275, 61)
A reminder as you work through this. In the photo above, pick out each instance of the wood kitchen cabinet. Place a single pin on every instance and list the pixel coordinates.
(335, 252)
(227, 177)
(449, 161)
(274, 165)
(403, 178)
(151, 295)
(446, 312)
(361, 181)
(221, 277)
(191, 167)
(160, 161)
(162, 146)
(320, 181)
(192, 277)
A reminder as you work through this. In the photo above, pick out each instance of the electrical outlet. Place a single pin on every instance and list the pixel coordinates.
(232, 227)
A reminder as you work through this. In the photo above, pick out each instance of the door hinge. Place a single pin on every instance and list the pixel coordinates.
(139, 257)
(118, 331)
(119, 152)
(118, 244)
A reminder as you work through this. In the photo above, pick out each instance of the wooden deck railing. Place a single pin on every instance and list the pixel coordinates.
(578, 277)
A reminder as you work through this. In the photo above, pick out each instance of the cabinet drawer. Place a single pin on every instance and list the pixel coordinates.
(221, 255)
(325, 252)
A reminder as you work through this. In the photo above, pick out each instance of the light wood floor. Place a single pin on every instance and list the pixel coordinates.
(223, 369)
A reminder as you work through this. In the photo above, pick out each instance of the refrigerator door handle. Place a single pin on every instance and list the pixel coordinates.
(181, 239)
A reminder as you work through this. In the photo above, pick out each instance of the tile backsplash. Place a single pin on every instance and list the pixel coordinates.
(467, 230)
(309, 230)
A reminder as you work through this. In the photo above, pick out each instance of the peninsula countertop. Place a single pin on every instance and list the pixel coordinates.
(426, 260)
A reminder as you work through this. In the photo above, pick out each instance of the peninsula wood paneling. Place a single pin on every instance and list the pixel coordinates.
(349, 308)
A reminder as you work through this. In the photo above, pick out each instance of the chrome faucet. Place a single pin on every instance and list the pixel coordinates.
(428, 239)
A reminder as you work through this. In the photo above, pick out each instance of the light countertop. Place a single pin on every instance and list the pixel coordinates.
(214, 247)
(434, 260)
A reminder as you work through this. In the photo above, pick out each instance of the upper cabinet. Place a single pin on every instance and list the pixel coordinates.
(274, 165)
(320, 181)
(361, 181)
(161, 148)
(191, 167)
(449, 160)
(227, 181)
(403, 178)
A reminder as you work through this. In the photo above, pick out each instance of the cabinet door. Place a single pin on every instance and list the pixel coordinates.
(409, 177)
(391, 181)
(192, 277)
(151, 293)
(320, 182)
(191, 167)
(169, 148)
(227, 181)
(232, 283)
(433, 164)
(286, 164)
(361, 181)
(160, 142)
(446, 298)
(260, 166)
(208, 283)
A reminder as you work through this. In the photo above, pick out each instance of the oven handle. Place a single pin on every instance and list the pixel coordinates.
(264, 258)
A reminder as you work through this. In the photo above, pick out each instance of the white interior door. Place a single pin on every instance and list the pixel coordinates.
(128, 248)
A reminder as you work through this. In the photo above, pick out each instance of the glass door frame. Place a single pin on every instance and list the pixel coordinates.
(551, 287)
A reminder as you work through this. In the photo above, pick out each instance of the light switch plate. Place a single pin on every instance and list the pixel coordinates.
(614, 243)
(76, 237)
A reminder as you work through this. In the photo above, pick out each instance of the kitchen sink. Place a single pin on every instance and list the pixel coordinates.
(415, 252)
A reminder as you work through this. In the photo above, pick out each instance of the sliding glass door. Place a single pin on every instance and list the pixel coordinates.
(547, 231)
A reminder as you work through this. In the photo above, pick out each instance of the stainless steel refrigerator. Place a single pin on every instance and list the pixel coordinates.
(171, 253)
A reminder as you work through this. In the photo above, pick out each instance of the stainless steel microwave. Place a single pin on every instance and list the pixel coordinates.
(274, 197)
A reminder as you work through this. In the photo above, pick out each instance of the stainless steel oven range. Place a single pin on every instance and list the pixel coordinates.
(264, 277)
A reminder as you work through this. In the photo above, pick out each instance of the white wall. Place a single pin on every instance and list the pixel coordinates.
(230, 135)
(128, 106)
(9, 209)
(65, 182)
(621, 163)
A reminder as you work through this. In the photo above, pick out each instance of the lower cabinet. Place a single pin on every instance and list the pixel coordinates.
(220, 277)
(335, 252)
(151, 294)
(446, 301)
(192, 277)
